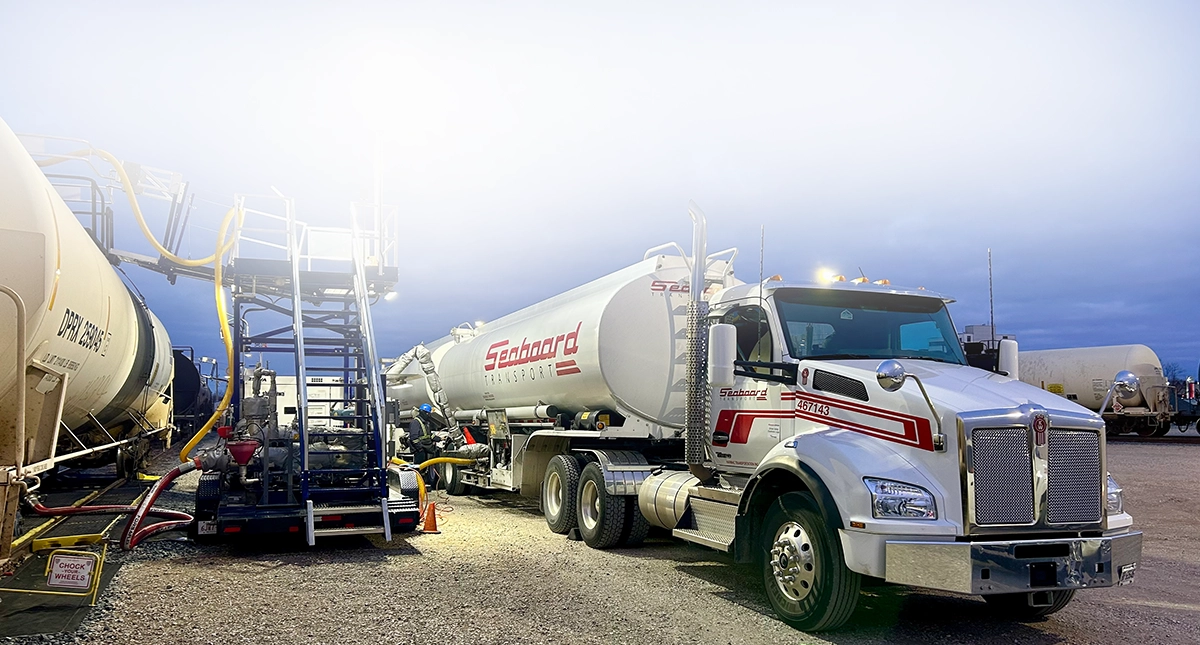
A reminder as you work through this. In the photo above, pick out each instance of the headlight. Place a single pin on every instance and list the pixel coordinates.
(1115, 497)
(899, 501)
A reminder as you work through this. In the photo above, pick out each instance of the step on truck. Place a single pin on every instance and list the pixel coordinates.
(826, 433)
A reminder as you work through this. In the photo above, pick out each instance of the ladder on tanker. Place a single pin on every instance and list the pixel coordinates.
(340, 431)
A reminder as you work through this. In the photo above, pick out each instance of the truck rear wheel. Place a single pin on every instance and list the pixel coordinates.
(1016, 605)
(602, 517)
(636, 527)
(559, 488)
(804, 570)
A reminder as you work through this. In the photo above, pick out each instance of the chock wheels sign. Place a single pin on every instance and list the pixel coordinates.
(70, 571)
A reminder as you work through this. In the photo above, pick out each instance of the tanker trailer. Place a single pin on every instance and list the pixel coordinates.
(600, 353)
(1084, 375)
(94, 362)
(821, 433)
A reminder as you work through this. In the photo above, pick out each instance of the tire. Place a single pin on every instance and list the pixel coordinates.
(601, 517)
(559, 490)
(208, 502)
(452, 480)
(1016, 605)
(635, 528)
(797, 542)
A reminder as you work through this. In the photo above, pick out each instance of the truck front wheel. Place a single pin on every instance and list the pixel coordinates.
(804, 571)
(558, 492)
(1017, 605)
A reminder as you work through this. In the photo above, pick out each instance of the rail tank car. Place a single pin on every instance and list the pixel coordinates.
(1083, 374)
(84, 326)
(608, 345)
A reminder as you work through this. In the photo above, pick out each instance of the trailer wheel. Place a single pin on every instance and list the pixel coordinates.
(1016, 605)
(452, 480)
(208, 502)
(602, 517)
(804, 570)
(559, 489)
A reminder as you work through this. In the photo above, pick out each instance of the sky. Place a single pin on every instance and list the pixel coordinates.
(530, 147)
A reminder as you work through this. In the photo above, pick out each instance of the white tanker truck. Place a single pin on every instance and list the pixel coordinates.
(1084, 374)
(825, 432)
(83, 363)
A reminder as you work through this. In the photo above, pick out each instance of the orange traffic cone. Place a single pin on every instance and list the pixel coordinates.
(430, 519)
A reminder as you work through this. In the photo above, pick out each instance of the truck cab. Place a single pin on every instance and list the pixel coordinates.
(921, 469)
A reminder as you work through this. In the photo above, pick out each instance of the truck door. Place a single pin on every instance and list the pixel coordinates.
(749, 418)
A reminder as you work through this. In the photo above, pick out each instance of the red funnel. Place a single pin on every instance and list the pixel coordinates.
(242, 451)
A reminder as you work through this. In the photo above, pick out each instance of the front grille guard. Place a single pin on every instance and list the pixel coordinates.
(1022, 417)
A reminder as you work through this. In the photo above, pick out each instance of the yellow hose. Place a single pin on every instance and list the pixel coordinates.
(225, 336)
(457, 461)
(223, 247)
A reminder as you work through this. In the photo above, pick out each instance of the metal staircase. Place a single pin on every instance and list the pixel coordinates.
(339, 438)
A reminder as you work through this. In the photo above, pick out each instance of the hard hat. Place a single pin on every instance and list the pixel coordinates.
(425, 407)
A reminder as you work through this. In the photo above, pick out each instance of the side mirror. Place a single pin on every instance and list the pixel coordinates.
(890, 375)
(722, 350)
(1006, 361)
(1126, 384)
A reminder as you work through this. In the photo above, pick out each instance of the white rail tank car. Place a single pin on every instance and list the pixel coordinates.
(1084, 374)
(83, 325)
(608, 345)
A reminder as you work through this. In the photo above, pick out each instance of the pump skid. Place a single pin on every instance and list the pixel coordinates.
(825, 432)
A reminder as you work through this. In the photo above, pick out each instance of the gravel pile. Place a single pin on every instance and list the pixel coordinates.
(497, 575)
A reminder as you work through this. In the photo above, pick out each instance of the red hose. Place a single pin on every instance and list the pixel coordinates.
(133, 535)
(106, 509)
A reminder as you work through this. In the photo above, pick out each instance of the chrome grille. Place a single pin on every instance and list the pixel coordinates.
(1003, 472)
(1073, 482)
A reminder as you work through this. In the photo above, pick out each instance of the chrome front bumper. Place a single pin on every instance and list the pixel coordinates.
(1018, 566)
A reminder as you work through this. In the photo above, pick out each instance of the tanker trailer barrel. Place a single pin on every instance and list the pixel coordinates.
(617, 344)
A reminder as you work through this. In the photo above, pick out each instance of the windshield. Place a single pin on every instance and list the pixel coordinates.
(829, 323)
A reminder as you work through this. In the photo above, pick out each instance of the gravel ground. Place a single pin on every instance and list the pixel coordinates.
(497, 575)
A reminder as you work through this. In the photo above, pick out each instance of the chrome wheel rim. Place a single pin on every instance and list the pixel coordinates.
(793, 562)
(589, 505)
(554, 494)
